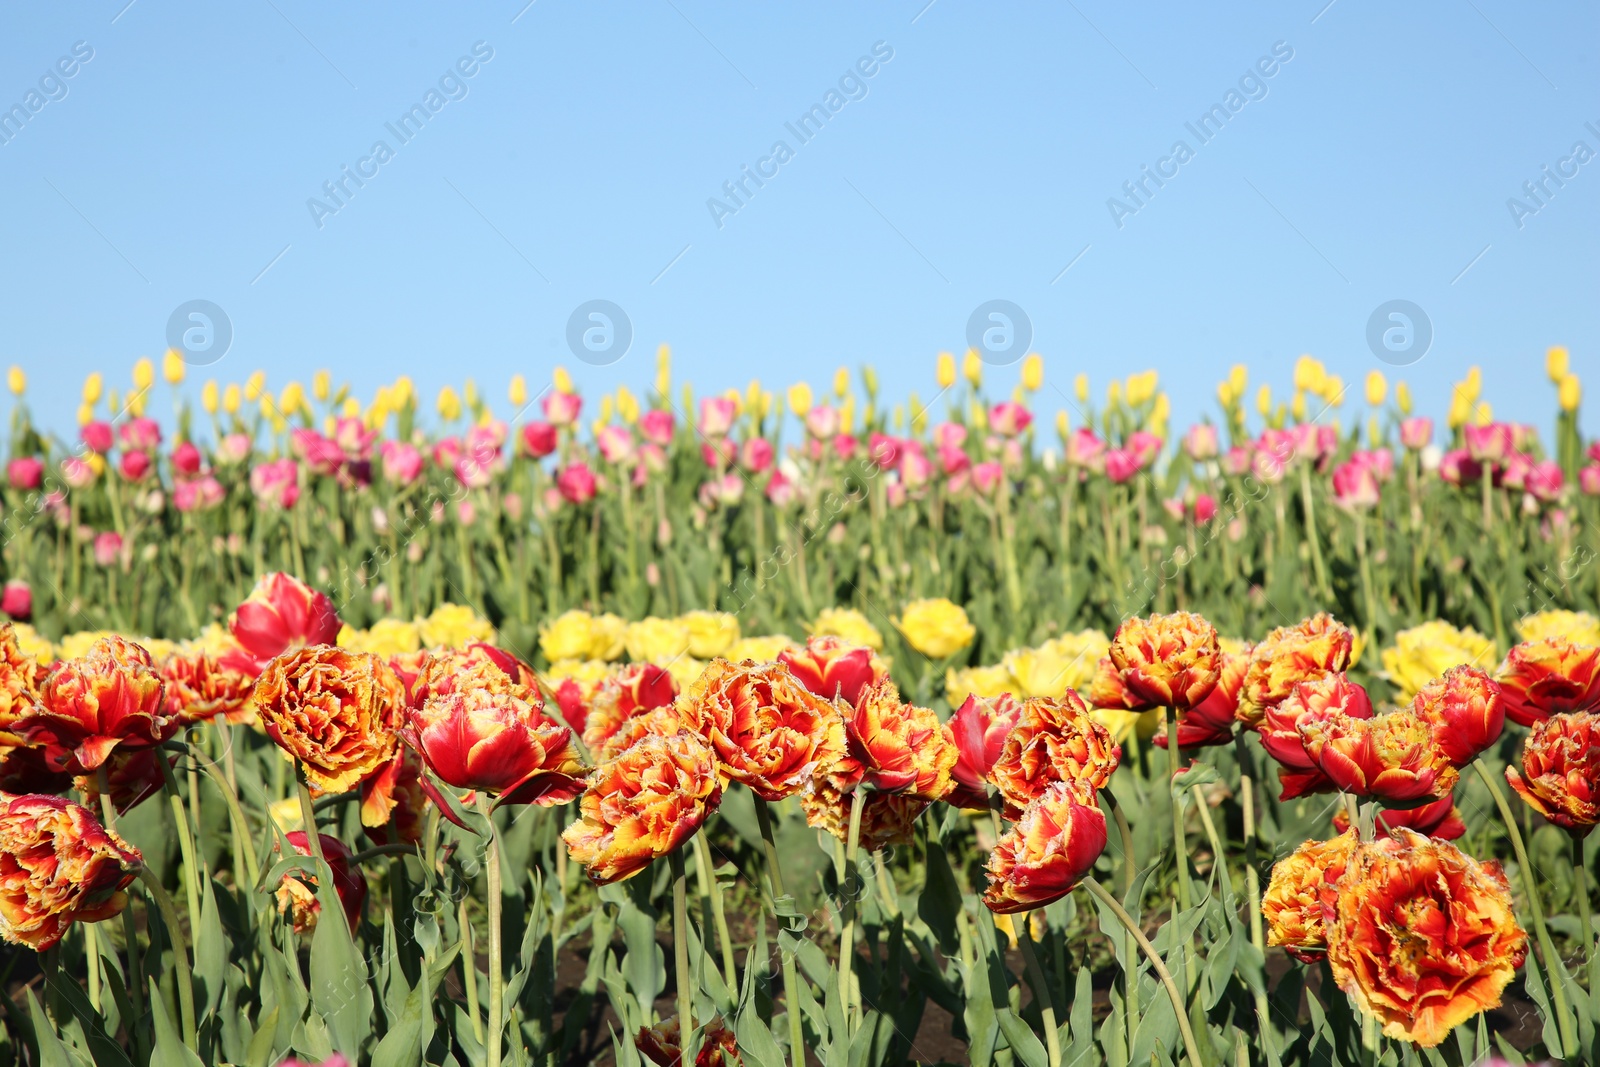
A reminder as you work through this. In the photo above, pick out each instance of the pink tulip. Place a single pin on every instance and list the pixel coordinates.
(1085, 449)
(1355, 485)
(987, 477)
(1524, 438)
(845, 446)
(576, 483)
(135, 465)
(915, 468)
(538, 439)
(615, 442)
(353, 438)
(471, 474)
(25, 472)
(322, 455)
(652, 458)
(657, 426)
(466, 513)
(1594, 452)
(276, 483)
(718, 452)
(186, 459)
(402, 462)
(755, 454)
(1268, 465)
(1009, 418)
(1458, 467)
(780, 490)
(884, 451)
(562, 409)
(1514, 475)
(1237, 461)
(1145, 445)
(822, 421)
(1545, 481)
(895, 494)
(1201, 442)
(97, 435)
(1416, 432)
(1121, 464)
(952, 460)
(77, 472)
(1589, 479)
(446, 451)
(1205, 508)
(1490, 444)
(233, 448)
(716, 416)
(197, 494)
(17, 600)
(107, 547)
(949, 435)
(485, 442)
(1174, 507)
(141, 433)
(1280, 444)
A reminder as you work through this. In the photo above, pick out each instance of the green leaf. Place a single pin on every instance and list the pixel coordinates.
(170, 1051)
(210, 953)
(1029, 1050)
(339, 989)
(939, 903)
(402, 1046)
(52, 1053)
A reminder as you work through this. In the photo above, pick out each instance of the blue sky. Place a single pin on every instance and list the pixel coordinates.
(976, 162)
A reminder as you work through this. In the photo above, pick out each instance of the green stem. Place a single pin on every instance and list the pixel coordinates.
(1181, 855)
(180, 819)
(680, 957)
(1178, 1008)
(180, 954)
(1041, 987)
(719, 914)
(1558, 991)
(497, 984)
(241, 829)
(847, 940)
(791, 982)
(1130, 968)
(1586, 922)
(1311, 532)
(469, 969)
(1252, 879)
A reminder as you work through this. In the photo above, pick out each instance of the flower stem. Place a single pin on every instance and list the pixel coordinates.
(1558, 992)
(180, 953)
(241, 829)
(680, 957)
(1041, 987)
(180, 819)
(1130, 969)
(719, 914)
(847, 940)
(1586, 922)
(469, 970)
(1179, 844)
(791, 981)
(1100, 893)
(1252, 877)
(497, 984)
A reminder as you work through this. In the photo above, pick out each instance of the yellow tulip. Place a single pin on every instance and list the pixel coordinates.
(1483, 415)
(518, 393)
(1374, 437)
(93, 386)
(1114, 393)
(869, 380)
(1160, 413)
(404, 391)
(1571, 393)
(173, 367)
(1309, 374)
(972, 368)
(799, 396)
(1032, 372)
(1402, 397)
(1138, 389)
(1080, 387)
(1063, 424)
(945, 370)
(231, 399)
(847, 414)
(85, 414)
(1333, 390)
(606, 408)
(292, 399)
(663, 371)
(919, 416)
(841, 382)
(449, 404)
(1225, 395)
(469, 393)
(321, 385)
(208, 396)
(144, 374)
(1377, 387)
(351, 409)
(135, 404)
(1555, 364)
(627, 405)
(1238, 379)
(1297, 407)
(1264, 400)
(1474, 383)
(1460, 409)
(17, 379)
(253, 385)
(563, 381)
(96, 462)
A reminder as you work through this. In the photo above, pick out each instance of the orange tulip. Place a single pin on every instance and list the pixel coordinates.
(24, 770)
(1211, 721)
(834, 668)
(1465, 710)
(495, 742)
(199, 688)
(632, 691)
(1294, 905)
(478, 666)
(1054, 741)
(1560, 776)
(1168, 660)
(643, 804)
(768, 730)
(978, 729)
(1108, 690)
(58, 866)
(298, 900)
(133, 776)
(664, 721)
(1441, 819)
(1045, 853)
(887, 819)
(1394, 757)
(338, 712)
(89, 707)
(1321, 697)
(1422, 936)
(1549, 677)
(662, 1045)
(19, 685)
(394, 800)
(1290, 655)
(280, 614)
(896, 747)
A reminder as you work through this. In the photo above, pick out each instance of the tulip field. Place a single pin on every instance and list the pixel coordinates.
(793, 728)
